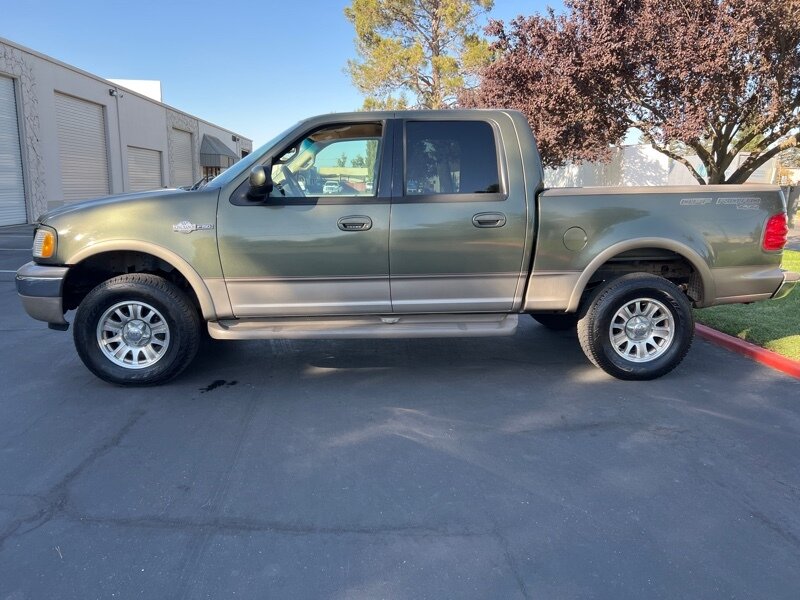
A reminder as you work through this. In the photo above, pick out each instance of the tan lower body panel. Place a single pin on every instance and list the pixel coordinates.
(265, 297)
(388, 326)
(479, 292)
(550, 290)
(219, 295)
(746, 284)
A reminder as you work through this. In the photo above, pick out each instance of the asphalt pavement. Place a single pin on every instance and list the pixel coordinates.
(462, 468)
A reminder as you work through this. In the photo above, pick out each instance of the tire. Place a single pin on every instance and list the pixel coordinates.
(633, 346)
(557, 322)
(137, 329)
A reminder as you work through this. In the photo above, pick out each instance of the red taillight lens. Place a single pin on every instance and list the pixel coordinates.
(775, 233)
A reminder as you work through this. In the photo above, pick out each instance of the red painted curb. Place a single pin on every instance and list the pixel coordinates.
(766, 357)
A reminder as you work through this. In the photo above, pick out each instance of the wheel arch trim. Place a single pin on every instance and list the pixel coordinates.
(687, 253)
(204, 297)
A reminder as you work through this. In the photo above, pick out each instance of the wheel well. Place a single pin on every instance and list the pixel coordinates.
(656, 261)
(94, 270)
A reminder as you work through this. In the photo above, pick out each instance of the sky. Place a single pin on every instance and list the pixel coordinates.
(252, 67)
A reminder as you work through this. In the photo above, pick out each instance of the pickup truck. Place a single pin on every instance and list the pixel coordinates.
(456, 237)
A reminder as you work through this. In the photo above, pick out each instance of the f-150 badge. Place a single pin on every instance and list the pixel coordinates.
(188, 227)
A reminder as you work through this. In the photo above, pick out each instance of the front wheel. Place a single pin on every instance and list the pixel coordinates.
(136, 329)
(637, 327)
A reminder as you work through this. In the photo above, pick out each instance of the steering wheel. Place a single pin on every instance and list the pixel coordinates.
(293, 189)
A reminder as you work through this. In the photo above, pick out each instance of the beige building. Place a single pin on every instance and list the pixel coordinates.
(66, 135)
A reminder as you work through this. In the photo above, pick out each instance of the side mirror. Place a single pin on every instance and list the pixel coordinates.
(260, 183)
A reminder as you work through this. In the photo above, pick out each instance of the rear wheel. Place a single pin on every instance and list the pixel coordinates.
(557, 322)
(136, 329)
(637, 327)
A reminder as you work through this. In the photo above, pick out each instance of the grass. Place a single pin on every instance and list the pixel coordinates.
(774, 324)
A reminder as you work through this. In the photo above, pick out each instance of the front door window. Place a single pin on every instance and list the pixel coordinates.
(340, 160)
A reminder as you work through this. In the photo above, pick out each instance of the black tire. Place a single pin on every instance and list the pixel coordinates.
(557, 322)
(595, 333)
(173, 308)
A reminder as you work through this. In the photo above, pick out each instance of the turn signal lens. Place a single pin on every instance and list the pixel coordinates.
(775, 233)
(44, 244)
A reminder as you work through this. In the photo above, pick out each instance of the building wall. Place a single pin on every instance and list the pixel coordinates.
(130, 118)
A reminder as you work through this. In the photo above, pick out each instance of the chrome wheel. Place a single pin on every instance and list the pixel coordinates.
(133, 335)
(642, 330)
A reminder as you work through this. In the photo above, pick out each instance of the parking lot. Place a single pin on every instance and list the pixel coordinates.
(463, 468)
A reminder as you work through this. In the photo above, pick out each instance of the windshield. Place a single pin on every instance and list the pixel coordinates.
(247, 162)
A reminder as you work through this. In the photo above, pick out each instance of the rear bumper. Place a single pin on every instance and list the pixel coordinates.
(790, 280)
(40, 290)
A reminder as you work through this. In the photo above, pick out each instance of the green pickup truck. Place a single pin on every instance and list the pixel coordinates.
(399, 224)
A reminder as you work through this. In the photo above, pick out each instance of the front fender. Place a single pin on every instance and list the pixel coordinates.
(210, 305)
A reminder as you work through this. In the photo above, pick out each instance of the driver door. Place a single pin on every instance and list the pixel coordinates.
(319, 244)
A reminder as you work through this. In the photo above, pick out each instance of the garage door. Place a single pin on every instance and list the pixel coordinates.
(182, 158)
(82, 148)
(144, 169)
(12, 192)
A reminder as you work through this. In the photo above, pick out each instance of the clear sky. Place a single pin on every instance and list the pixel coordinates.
(253, 67)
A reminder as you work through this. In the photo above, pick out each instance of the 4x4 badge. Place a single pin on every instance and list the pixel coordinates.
(188, 227)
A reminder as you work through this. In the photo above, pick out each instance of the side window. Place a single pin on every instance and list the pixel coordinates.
(450, 157)
(338, 160)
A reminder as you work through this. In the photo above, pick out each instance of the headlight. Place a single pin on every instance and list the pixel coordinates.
(44, 244)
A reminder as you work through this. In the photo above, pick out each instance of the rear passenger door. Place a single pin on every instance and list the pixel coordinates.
(458, 222)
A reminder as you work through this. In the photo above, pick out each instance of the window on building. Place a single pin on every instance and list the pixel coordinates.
(450, 157)
(211, 172)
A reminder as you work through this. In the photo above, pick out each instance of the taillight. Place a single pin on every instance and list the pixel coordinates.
(775, 233)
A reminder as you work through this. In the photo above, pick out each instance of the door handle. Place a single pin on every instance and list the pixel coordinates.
(355, 223)
(490, 219)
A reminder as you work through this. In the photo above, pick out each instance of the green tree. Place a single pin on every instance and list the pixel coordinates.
(429, 49)
(342, 160)
(372, 157)
(359, 162)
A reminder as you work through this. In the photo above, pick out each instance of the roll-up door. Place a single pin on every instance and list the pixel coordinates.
(144, 169)
(12, 191)
(182, 158)
(82, 148)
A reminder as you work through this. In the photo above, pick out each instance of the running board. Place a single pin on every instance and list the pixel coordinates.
(387, 326)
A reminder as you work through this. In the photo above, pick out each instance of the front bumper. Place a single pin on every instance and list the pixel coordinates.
(40, 290)
(790, 280)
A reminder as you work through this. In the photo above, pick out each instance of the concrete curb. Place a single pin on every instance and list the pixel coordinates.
(766, 357)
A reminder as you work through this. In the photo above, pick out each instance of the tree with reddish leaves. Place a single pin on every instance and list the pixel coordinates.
(705, 77)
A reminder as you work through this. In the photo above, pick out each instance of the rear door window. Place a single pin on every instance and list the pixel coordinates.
(450, 157)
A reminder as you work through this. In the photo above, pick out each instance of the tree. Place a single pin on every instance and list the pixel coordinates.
(791, 158)
(342, 160)
(714, 77)
(359, 162)
(372, 157)
(429, 49)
